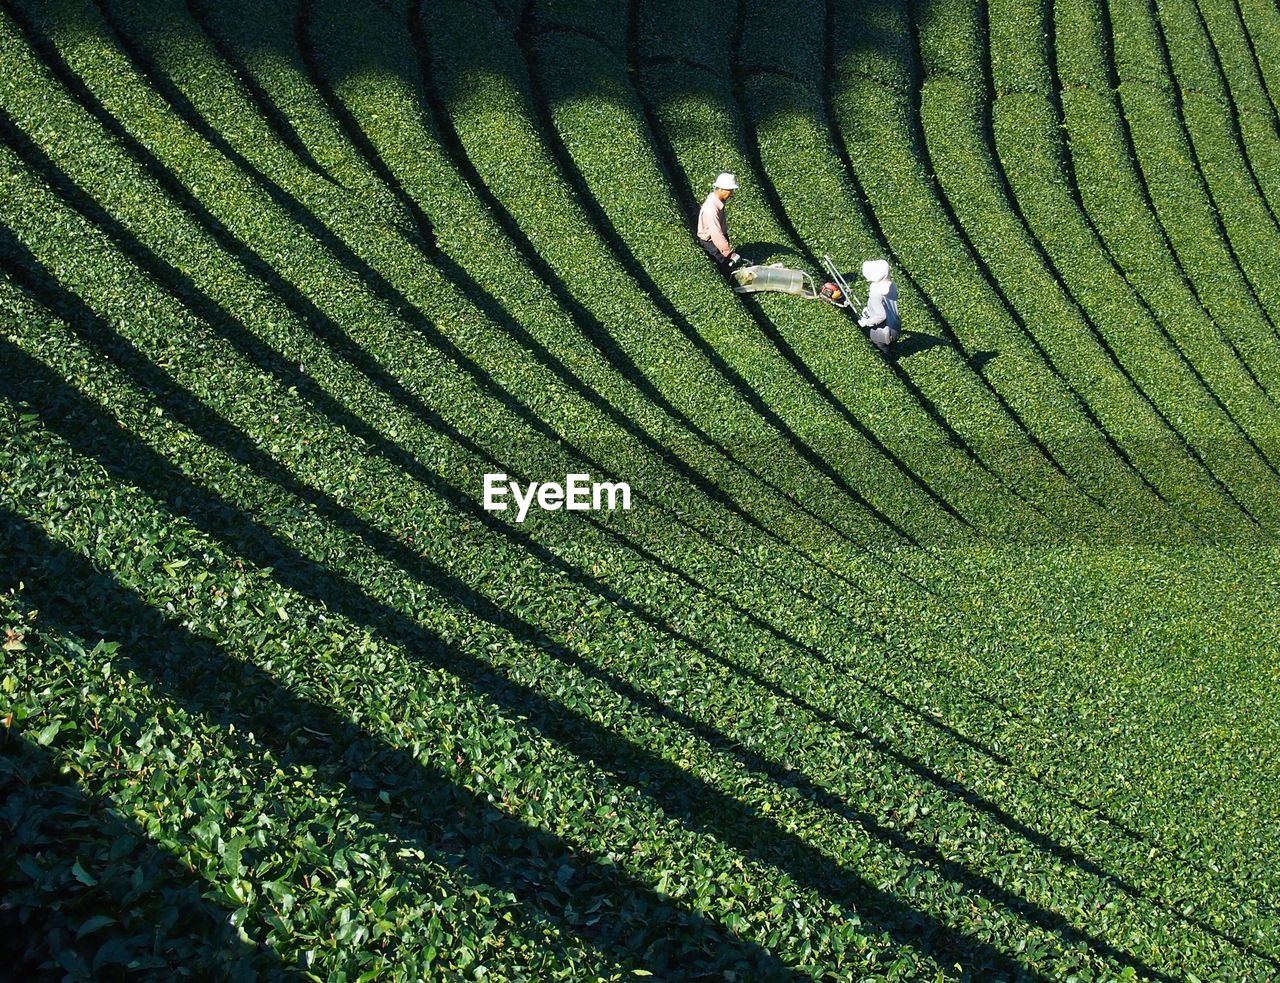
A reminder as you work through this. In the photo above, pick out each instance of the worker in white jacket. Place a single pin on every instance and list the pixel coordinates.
(881, 313)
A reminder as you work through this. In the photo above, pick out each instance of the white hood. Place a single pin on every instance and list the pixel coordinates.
(875, 269)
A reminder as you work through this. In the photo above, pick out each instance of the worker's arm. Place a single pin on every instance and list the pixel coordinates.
(718, 237)
(874, 313)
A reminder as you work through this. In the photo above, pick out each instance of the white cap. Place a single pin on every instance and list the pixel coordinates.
(726, 181)
(875, 269)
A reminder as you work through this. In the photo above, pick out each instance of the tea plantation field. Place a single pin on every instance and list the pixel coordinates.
(960, 664)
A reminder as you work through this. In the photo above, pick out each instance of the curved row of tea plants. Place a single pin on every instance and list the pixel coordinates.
(1251, 110)
(1029, 143)
(1175, 184)
(957, 130)
(1118, 202)
(1208, 116)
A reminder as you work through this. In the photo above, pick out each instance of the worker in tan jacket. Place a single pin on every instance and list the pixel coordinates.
(713, 230)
